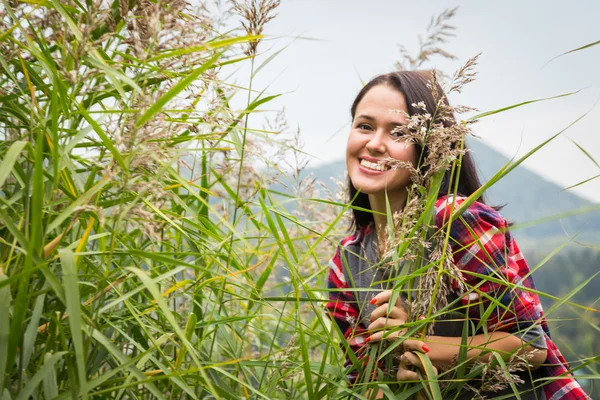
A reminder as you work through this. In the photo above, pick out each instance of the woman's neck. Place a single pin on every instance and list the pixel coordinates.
(378, 204)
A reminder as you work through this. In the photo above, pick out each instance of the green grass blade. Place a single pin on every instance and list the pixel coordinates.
(49, 382)
(36, 233)
(76, 324)
(153, 289)
(106, 141)
(505, 170)
(81, 200)
(9, 160)
(584, 151)
(432, 382)
(176, 89)
(565, 298)
(190, 328)
(32, 330)
(580, 183)
(43, 373)
(125, 296)
(118, 355)
(524, 103)
(4, 328)
(586, 46)
(212, 45)
(305, 358)
(504, 368)
(69, 20)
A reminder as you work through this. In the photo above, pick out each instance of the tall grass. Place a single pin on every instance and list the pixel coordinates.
(142, 254)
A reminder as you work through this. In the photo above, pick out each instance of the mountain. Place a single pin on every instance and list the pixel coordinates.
(528, 198)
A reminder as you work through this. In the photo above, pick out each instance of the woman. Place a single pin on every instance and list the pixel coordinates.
(386, 165)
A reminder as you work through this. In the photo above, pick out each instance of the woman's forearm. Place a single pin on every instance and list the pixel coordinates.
(444, 350)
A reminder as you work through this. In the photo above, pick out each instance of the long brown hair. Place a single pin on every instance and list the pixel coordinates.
(414, 87)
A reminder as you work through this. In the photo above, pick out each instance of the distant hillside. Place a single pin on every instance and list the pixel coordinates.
(528, 197)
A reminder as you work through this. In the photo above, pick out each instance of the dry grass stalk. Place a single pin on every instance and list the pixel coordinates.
(255, 15)
(437, 131)
(495, 377)
(438, 32)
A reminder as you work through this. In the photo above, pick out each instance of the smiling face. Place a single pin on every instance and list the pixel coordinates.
(371, 142)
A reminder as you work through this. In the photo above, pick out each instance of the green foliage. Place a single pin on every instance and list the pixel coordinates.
(141, 253)
(125, 272)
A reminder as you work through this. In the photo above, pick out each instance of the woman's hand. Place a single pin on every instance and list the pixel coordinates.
(408, 360)
(405, 372)
(384, 319)
(386, 322)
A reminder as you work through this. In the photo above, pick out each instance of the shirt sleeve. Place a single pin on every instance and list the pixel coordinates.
(534, 336)
(494, 271)
(342, 309)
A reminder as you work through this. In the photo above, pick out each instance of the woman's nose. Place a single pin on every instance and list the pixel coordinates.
(376, 144)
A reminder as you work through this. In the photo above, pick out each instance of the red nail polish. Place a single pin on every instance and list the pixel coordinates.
(425, 348)
(367, 340)
(373, 300)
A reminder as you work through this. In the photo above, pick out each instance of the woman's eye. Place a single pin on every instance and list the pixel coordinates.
(399, 131)
(364, 127)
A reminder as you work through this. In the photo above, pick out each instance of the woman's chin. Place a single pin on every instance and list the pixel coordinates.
(370, 190)
(365, 189)
(368, 185)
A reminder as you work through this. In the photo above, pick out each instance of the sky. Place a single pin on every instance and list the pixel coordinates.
(331, 46)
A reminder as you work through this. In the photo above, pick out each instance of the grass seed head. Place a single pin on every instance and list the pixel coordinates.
(255, 15)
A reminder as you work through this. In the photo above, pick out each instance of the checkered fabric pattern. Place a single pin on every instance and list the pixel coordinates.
(482, 247)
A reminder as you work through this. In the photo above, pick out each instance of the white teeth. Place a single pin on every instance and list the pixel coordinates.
(375, 166)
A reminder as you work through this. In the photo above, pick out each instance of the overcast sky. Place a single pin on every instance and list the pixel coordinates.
(358, 39)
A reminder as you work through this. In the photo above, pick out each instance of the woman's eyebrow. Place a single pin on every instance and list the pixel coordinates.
(369, 118)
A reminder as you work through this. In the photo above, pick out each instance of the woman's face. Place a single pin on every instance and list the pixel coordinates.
(371, 142)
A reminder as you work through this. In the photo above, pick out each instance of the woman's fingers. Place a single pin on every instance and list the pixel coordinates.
(384, 297)
(394, 312)
(388, 334)
(405, 374)
(383, 322)
(408, 360)
(415, 345)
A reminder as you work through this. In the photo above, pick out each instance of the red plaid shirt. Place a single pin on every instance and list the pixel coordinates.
(490, 252)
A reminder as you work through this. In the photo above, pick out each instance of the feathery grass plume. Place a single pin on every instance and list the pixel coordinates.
(160, 25)
(438, 32)
(154, 27)
(434, 130)
(463, 76)
(495, 377)
(255, 15)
